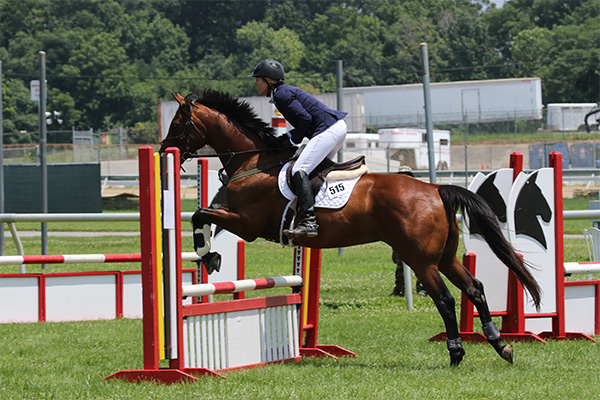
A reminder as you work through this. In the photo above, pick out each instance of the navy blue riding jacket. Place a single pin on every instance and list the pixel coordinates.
(308, 115)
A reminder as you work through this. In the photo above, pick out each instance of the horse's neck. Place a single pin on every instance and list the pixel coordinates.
(238, 152)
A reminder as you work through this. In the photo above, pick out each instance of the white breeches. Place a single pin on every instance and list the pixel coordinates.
(325, 144)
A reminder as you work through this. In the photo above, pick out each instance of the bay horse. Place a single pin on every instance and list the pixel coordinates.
(417, 219)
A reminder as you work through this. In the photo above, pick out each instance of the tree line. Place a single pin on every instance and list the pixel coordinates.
(110, 62)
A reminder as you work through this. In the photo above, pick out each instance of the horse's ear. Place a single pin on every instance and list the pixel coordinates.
(180, 99)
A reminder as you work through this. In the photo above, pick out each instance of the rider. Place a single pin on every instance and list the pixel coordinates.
(324, 127)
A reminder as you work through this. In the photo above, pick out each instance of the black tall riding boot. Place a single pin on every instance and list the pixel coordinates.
(305, 208)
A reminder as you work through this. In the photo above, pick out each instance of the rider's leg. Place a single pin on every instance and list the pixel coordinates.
(320, 146)
(306, 207)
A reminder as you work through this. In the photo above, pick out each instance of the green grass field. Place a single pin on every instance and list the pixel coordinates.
(395, 359)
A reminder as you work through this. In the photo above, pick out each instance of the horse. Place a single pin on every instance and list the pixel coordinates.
(417, 219)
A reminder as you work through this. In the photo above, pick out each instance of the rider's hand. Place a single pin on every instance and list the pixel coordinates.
(285, 142)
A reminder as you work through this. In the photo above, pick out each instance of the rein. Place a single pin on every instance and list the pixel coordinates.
(231, 154)
(258, 169)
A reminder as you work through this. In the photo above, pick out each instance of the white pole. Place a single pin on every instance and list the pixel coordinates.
(1, 167)
(43, 164)
(408, 287)
(169, 218)
(428, 121)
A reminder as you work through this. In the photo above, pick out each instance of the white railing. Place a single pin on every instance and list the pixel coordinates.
(11, 219)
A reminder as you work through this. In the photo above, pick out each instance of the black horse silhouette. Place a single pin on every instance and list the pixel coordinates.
(531, 203)
(491, 195)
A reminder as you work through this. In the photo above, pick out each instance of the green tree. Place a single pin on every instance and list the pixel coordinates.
(256, 41)
(468, 53)
(110, 62)
(565, 58)
(156, 40)
(344, 33)
(19, 112)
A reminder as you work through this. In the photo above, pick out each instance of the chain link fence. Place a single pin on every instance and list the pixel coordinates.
(471, 145)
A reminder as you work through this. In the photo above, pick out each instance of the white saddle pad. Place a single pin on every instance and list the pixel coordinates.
(333, 194)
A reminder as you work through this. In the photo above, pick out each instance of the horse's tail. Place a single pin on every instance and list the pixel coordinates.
(478, 211)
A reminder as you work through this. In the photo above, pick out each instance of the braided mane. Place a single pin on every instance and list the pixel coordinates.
(238, 111)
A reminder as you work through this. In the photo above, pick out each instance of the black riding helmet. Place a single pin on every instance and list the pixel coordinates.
(270, 69)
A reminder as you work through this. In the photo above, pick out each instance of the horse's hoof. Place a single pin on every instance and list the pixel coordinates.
(212, 262)
(508, 353)
(456, 357)
(455, 361)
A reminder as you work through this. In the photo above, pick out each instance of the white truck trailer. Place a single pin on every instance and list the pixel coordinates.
(408, 146)
(568, 116)
(453, 102)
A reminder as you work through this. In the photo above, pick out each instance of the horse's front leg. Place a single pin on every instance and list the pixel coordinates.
(222, 217)
(201, 222)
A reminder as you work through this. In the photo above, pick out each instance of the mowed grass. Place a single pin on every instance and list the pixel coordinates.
(395, 359)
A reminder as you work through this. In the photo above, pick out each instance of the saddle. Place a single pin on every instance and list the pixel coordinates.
(320, 174)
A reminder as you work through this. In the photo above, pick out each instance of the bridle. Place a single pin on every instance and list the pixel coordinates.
(187, 152)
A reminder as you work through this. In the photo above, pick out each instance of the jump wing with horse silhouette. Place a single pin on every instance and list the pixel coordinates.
(415, 218)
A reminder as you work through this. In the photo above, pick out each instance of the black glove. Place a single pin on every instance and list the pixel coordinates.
(284, 142)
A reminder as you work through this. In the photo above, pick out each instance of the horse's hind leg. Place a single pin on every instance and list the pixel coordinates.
(441, 296)
(473, 289)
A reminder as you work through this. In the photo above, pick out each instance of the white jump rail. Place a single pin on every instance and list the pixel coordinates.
(83, 258)
(11, 219)
(78, 217)
(244, 285)
(591, 267)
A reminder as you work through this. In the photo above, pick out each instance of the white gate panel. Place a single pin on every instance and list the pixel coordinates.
(19, 299)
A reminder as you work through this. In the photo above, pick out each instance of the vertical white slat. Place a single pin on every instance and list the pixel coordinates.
(276, 334)
(280, 341)
(274, 344)
(197, 341)
(223, 340)
(280, 344)
(295, 324)
(290, 330)
(284, 334)
(216, 342)
(204, 327)
(263, 334)
(210, 342)
(193, 346)
(216, 346)
(269, 331)
(191, 339)
(186, 350)
(296, 333)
